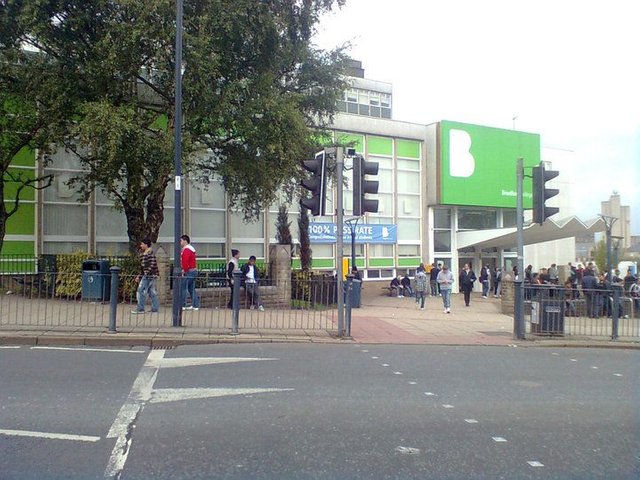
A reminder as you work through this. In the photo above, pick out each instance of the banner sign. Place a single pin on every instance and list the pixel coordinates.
(365, 233)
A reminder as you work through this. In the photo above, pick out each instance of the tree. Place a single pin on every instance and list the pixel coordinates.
(283, 232)
(600, 255)
(253, 87)
(305, 244)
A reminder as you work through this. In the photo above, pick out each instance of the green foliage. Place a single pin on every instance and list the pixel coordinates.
(600, 255)
(69, 278)
(283, 232)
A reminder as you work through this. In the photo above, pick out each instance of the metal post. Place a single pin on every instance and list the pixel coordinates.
(177, 160)
(235, 301)
(339, 238)
(518, 317)
(349, 298)
(113, 305)
(615, 308)
(608, 225)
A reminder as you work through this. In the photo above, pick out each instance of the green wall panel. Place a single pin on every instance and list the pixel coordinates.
(381, 262)
(10, 247)
(379, 146)
(322, 263)
(23, 221)
(356, 141)
(408, 149)
(11, 188)
(409, 262)
(25, 158)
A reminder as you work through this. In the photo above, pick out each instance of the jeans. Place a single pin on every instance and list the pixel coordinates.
(446, 297)
(485, 288)
(190, 289)
(147, 285)
(420, 297)
(434, 288)
(253, 295)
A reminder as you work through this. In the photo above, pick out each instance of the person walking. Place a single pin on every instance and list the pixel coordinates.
(421, 288)
(445, 281)
(433, 280)
(190, 273)
(485, 275)
(232, 266)
(147, 280)
(467, 277)
(251, 283)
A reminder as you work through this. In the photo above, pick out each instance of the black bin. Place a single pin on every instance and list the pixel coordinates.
(550, 317)
(96, 280)
(356, 293)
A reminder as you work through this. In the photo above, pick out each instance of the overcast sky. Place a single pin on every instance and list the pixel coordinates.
(566, 69)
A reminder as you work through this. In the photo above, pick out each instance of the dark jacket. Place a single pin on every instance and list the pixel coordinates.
(589, 282)
(466, 279)
(245, 270)
(433, 275)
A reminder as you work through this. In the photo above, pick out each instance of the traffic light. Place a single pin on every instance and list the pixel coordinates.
(541, 194)
(317, 184)
(362, 186)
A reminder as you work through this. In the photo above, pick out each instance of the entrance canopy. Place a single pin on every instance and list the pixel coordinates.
(550, 230)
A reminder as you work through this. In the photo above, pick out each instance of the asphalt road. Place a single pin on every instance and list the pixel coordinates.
(319, 411)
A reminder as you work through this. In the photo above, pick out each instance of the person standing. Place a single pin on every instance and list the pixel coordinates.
(445, 281)
(485, 274)
(421, 288)
(231, 267)
(552, 272)
(251, 280)
(147, 280)
(467, 277)
(189, 273)
(433, 276)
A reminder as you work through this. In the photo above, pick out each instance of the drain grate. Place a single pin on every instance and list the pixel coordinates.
(163, 347)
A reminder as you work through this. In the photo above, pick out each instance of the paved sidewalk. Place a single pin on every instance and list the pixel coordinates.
(380, 320)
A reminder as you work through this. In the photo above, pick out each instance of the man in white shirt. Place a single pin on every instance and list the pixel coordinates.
(251, 278)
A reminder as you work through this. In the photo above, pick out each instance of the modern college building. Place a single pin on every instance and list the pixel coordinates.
(447, 194)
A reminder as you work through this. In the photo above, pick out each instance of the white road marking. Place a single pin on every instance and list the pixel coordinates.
(81, 349)
(471, 420)
(556, 354)
(397, 373)
(195, 361)
(446, 405)
(413, 383)
(163, 395)
(407, 450)
(535, 463)
(574, 360)
(365, 351)
(53, 436)
(429, 394)
(595, 368)
(499, 439)
(617, 374)
(10, 346)
(140, 393)
(375, 358)
(385, 364)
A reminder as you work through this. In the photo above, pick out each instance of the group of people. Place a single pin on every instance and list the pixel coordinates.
(438, 280)
(147, 279)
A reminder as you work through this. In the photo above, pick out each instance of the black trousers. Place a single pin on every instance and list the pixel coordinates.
(467, 295)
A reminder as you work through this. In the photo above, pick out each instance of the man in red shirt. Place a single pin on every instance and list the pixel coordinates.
(190, 273)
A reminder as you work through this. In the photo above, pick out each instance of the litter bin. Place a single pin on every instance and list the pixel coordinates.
(356, 293)
(96, 280)
(548, 318)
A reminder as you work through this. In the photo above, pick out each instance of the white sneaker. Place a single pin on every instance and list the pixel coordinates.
(137, 312)
(195, 309)
(187, 308)
(421, 308)
(445, 311)
(261, 308)
(484, 296)
(400, 296)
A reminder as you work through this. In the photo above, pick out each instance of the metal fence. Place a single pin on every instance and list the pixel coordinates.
(83, 300)
(558, 311)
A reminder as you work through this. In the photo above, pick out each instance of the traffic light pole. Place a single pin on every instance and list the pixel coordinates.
(339, 239)
(518, 317)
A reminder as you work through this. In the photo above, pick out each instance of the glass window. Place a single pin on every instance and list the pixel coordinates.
(385, 100)
(442, 241)
(66, 160)
(380, 220)
(363, 110)
(409, 182)
(248, 249)
(65, 220)
(113, 248)
(385, 112)
(409, 205)
(210, 196)
(212, 250)
(385, 181)
(375, 111)
(207, 223)
(407, 164)
(352, 108)
(442, 218)
(374, 99)
(509, 218)
(64, 247)
(408, 250)
(408, 229)
(59, 191)
(363, 98)
(385, 203)
(166, 230)
(380, 250)
(472, 219)
(110, 222)
(352, 96)
(373, 273)
(241, 229)
(321, 250)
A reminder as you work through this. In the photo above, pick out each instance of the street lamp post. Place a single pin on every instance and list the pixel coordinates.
(608, 224)
(177, 160)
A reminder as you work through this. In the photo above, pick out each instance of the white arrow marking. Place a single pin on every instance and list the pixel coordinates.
(83, 349)
(55, 436)
(195, 361)
(163, 395)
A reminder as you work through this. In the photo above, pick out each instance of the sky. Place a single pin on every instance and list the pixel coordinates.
(565, 69)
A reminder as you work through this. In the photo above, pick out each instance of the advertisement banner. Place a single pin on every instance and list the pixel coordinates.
(478, 164)
(365, 233)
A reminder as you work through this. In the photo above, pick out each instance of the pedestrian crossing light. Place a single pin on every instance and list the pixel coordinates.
(317, 184)
(362, 186)
(541, 194)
